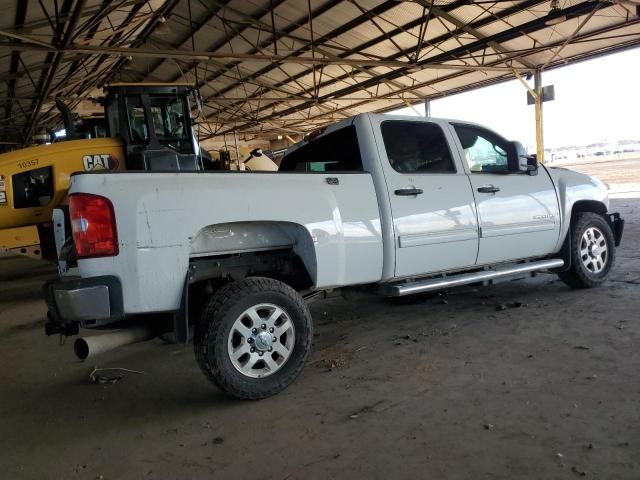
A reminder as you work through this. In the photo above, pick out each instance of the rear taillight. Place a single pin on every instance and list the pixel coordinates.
(93, 224)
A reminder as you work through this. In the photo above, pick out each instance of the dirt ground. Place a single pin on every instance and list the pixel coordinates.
(460, 386)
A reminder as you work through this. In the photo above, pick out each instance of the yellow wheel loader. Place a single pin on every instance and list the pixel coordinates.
(148, 127)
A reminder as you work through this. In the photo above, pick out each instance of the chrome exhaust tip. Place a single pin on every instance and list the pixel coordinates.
(85, 347)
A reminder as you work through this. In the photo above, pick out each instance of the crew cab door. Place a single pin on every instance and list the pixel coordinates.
(518, 213)
(432, 206)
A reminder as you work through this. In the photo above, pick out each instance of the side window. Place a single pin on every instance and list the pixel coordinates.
(137, 122)
(335, 152)
(114, 118)
(484, 151)
(416, 147)
(158, 121)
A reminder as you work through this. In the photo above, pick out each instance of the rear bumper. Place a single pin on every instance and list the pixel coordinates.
(617, 225)
(91, 302)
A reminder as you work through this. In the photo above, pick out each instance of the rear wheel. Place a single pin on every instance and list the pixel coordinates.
(592, 251)
(253, 337)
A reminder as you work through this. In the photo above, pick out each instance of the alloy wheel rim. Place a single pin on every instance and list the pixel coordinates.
(261, 340)
(594, 250)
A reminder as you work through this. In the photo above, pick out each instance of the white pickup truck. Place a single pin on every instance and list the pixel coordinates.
(391, 204)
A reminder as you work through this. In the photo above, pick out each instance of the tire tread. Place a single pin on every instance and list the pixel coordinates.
(210, 324)
(576, 277)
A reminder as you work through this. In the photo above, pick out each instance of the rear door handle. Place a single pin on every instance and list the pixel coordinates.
(488, 189)
(408, 191)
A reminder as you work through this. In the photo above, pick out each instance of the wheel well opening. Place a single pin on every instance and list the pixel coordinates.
(208, 274)
(587, 206)
(226, 240)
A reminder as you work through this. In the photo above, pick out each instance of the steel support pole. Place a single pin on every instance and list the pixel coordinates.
(427, 107)
(288, 137)
(235, 138)
(537, 86)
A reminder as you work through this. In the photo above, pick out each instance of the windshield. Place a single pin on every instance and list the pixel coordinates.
(170, 122)
(167, 117)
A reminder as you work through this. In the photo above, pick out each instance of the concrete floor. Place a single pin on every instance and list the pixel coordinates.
(436, 387)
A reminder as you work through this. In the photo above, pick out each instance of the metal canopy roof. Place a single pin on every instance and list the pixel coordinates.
(270, 67)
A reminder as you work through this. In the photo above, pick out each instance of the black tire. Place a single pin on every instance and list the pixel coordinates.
(579, 276)
(212, 333)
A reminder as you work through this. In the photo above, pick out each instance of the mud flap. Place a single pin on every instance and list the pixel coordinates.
(617, 225)
(181, 316)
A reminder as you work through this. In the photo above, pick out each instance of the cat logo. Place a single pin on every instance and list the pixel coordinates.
(101, 161)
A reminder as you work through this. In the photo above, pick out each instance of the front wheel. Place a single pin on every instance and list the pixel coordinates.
(253, 337)
(592, 251)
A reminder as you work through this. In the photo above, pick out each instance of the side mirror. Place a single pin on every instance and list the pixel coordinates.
(520, 161)
(532, 164)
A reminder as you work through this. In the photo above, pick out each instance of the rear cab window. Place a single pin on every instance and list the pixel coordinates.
(334, 152)
(416, 147)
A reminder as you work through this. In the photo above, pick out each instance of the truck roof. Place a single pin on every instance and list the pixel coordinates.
(322, 131)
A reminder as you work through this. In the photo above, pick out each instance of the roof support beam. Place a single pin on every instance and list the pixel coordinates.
(376, 40)
(210, 16)
(439, 12)
(591, 36)
(146, 33)
(328, 36)
(21, 14)
(255, 91)
(87, 12)
(67, 36)
(206, 56)
(570, 38)
(506, 35)
(229, 37)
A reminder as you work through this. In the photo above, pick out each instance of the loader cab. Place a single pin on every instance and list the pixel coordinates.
(154, 124)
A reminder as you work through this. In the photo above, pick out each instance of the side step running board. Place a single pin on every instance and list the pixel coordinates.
(440, 283)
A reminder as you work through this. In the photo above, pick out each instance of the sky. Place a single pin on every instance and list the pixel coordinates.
(596, 100)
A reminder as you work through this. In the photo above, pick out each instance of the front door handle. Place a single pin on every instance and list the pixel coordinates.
(488, 189)
(408, 191)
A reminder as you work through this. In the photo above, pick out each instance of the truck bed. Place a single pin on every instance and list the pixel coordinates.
(164, 219)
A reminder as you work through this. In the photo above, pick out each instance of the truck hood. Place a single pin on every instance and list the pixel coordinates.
(574, 186)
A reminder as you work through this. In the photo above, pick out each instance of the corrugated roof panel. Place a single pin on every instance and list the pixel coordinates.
(244, 26)
(473, 13)
(402, 14)
(333, 18)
